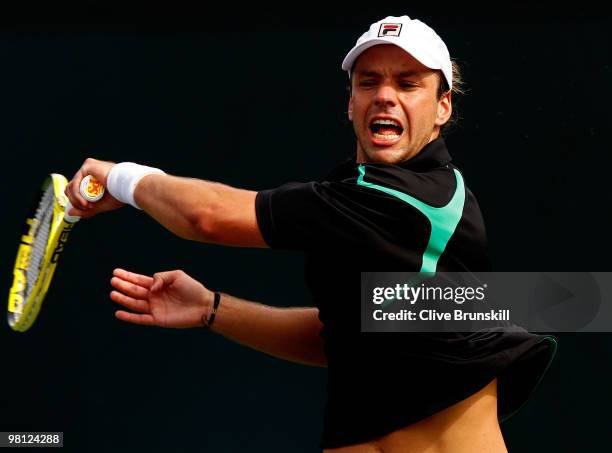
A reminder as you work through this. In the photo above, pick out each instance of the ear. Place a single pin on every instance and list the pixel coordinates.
(445, 109)
(350, 107)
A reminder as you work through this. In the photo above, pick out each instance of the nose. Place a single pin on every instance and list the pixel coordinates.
(385, 95)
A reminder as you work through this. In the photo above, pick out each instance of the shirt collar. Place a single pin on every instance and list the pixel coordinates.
(433, 155)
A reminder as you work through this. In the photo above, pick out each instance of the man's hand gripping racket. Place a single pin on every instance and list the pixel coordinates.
(47, 229)
(55, 211)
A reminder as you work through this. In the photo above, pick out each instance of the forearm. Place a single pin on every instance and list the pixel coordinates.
(288, 333)
(201, 210)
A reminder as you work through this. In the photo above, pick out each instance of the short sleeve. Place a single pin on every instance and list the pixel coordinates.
(300, 216)
(343, 213)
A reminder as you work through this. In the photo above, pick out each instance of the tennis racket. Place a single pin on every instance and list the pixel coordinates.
(45, 235)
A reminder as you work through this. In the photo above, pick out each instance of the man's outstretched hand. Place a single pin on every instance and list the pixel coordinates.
(168, 299)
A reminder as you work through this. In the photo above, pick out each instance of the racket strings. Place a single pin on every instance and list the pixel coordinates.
(43, 216)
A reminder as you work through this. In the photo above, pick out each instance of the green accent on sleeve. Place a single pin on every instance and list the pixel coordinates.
(443, 220)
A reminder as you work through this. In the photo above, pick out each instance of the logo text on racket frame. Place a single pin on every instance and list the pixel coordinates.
(23, 263)
(61, 243)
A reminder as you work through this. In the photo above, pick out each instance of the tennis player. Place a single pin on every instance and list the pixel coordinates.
(398, 204)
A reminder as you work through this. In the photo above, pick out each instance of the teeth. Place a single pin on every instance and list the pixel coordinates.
(386, 136)
(387, 122)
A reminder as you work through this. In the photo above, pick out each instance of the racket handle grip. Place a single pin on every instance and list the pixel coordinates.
(90, 189)
(70, 218)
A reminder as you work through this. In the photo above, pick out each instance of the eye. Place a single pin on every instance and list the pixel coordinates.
(367, 83)
(407, 85)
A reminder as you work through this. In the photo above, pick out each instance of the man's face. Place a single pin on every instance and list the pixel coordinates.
(394, 105)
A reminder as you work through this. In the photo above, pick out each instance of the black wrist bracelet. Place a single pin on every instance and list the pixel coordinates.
(208, 322)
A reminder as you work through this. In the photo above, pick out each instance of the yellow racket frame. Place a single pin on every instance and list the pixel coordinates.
(22, 313)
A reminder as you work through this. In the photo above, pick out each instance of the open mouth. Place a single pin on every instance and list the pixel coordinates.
(386, 129)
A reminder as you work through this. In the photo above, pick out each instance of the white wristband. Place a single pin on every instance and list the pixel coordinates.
(123, 178)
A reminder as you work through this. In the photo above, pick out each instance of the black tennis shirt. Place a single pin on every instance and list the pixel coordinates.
(379, 217)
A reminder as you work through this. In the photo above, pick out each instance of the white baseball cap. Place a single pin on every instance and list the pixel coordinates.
(412, 35)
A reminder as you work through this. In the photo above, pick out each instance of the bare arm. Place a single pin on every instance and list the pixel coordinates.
(287, 333)
(201, 210)
(191, 208)
(173, 299)
(208, 212)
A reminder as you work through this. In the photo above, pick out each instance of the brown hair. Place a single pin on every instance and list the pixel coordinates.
(457, 91)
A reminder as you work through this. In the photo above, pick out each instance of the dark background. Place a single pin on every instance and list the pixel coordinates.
(255, 97)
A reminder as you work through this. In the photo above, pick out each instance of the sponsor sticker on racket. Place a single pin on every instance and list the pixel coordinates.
(91, 188)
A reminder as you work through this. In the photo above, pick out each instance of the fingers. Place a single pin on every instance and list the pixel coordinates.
(98, 169)
(163, 279)
(134, 290)
(158, 283)
(144, 320)
(138, 305)
(132, 277)
(130, 289)
(79, 212)
(73, 193)
(73, 189)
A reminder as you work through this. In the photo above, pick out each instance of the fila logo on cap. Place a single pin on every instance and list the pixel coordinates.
(389, 30)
